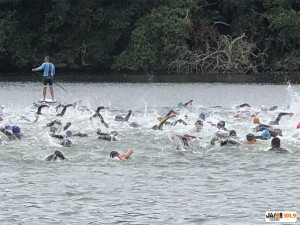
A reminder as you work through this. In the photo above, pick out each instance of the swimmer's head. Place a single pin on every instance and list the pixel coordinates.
(298, 125)
(114, 154)
(256, 120)
(250, 137)
(265, 134)
(214, 140)
(53, 129)
(58, 122)
(202, 116)
(199, 125)
(69, 133)
(221, 124)
(16, 129)
(7, 127)
(278, 132)
(179, 104)
(275, 143)
(66, 143)
(114, 133)
(232, 133)
(98, 131)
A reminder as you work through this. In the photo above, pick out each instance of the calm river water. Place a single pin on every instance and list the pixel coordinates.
(159, 185)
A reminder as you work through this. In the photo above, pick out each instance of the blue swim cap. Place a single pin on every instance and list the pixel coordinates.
(68, 133)
(16, 129)
(265, 133)
(7, 127)
(202, 116)
(221, 124)
(179, 104)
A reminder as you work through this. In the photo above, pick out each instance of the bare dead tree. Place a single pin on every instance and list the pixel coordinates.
(228, 55)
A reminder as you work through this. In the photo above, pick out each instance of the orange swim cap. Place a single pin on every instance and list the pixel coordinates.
(256, 119)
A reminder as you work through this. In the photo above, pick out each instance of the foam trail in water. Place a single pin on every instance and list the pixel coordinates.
(295, 99)
(146, 107)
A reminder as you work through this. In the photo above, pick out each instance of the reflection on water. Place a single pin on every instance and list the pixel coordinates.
(159, 185)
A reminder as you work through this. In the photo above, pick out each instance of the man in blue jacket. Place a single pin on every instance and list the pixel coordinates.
(49, 72)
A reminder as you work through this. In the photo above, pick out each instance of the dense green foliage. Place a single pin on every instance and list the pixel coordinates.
(191, 36)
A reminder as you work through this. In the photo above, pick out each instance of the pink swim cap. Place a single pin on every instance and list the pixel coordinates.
(298, 125)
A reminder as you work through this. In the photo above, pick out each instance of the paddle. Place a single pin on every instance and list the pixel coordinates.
(54, 83)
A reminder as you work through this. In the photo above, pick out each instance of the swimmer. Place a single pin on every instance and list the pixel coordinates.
(276, 122)
(54, 125)
(202, 116)
(275, 146)
(40, 109)
(163, 120)
(80, 106)
(107, 136)
(229, 142)
(122, 119)
(97, 114)
(67, 126)
(62, 113)
(184, 139)
(223, 135)
(179, 121)
(66, 143)
(16, 132)
(250, 139)
(123, 156)
(220, 125)
(244, 105)
(199, 125)
(265, 135)
(256, 120)
(55, 155)
(273, 132)
(98, 111)
(187, 104)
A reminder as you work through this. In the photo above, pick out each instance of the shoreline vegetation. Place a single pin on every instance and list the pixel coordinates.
(161, 41)
(117, 77)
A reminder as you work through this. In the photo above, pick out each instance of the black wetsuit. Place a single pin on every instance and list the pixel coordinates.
(62, 113)
(179, 121)
(54, 156)
(97, 114)
(245, 104)
(40, 109)
(10, 135)
(229, 142)
(187, 103)
(122, 119)
(276, 122)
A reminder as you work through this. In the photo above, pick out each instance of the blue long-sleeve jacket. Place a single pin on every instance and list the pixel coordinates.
(49, 69)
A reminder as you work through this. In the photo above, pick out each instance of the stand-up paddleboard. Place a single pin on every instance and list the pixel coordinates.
(47, 100)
